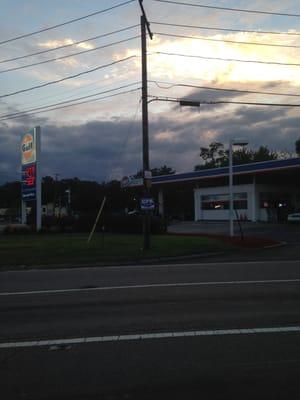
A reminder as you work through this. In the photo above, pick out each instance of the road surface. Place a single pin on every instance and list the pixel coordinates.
(215, 330)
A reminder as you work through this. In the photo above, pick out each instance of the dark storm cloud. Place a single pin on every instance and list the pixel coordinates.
(91, 151)
(102, 150)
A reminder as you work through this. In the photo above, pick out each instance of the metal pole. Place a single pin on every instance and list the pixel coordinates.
(68, 191)
(146, 167)
(230, 190)
(38, 180)
(23, 212)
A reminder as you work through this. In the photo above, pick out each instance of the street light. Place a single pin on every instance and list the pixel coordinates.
(68, 192)
(233, 142)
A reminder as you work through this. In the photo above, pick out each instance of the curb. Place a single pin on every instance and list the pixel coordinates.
(145, 261)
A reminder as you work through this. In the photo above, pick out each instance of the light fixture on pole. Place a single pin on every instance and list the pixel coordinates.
(233, 142)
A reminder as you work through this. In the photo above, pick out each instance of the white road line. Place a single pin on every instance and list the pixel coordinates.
(148, 286)
(199, 264)
(148, 336)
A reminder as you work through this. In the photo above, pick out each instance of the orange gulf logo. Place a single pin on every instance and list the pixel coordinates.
(27, 149)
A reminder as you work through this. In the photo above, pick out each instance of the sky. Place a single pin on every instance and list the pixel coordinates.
(101, 138)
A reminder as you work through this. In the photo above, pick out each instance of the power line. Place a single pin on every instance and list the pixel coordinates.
(67, 22)
(215, 28)
(65, 94)
(124, 145)
(228, 59)
(171, 85)
(176, 100)
(68, 77)
(68, 45)
(69, 55)
(72, 105)
(68, 101)
(228, 8)
(228, 41)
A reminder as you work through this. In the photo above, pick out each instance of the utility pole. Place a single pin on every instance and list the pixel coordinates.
(146, 165)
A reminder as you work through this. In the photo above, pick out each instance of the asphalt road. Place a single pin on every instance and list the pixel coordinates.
(215, 330)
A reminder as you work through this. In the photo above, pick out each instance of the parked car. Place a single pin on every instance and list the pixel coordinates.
(295, 217)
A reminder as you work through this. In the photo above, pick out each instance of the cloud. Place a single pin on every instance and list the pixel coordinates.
(103, 150)
(50, 44)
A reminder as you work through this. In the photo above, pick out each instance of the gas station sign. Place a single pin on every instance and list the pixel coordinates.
(30, 170)
(29, 182)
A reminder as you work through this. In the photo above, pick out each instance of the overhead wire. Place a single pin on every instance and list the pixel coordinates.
(249, 103)
(244, 91)
(122, 152)
(68, 77)
(69, 101)
(68, 45)
(228, 40)
(72, 105)
(229, 8)
(69, 55)
(66, 93)
(215, 28)
(67, 22)
(227, 59)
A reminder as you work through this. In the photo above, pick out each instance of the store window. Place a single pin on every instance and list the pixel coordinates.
(221, 201)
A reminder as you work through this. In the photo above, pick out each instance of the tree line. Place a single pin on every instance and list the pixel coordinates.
(87, 195)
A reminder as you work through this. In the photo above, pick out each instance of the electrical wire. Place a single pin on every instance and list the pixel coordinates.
(66, 22)
(228, 8)
(249, 103)
(67, 93)
(122, 153)
(228, 41)
(69, 55)
(68, 77)
(228, 59)
(171, 85)
(69, 44)
(72, 105)
(215, 28)
(68, 101)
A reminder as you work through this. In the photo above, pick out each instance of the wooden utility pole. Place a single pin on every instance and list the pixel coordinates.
(146, 165)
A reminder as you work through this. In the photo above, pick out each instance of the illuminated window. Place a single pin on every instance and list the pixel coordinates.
(221, 201)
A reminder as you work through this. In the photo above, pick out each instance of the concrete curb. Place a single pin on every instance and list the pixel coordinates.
(145, 261)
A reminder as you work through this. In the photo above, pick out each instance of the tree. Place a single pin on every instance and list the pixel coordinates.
(297, 146)
(215, 156)
(163, 170)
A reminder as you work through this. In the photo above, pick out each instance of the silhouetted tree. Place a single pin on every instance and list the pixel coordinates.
(216, 156)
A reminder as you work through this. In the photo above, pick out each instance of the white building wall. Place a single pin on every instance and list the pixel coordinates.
(253, 211)
(222, 214)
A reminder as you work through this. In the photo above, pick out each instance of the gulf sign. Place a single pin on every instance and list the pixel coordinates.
(28, 148)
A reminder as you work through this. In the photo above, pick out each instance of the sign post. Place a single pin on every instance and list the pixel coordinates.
(31, 178)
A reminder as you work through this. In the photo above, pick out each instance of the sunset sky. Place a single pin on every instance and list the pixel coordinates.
(101, 138)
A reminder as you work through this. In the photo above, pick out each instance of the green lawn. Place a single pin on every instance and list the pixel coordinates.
(31, 250)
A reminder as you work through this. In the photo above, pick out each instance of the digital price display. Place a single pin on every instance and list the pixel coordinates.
(29, 182)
